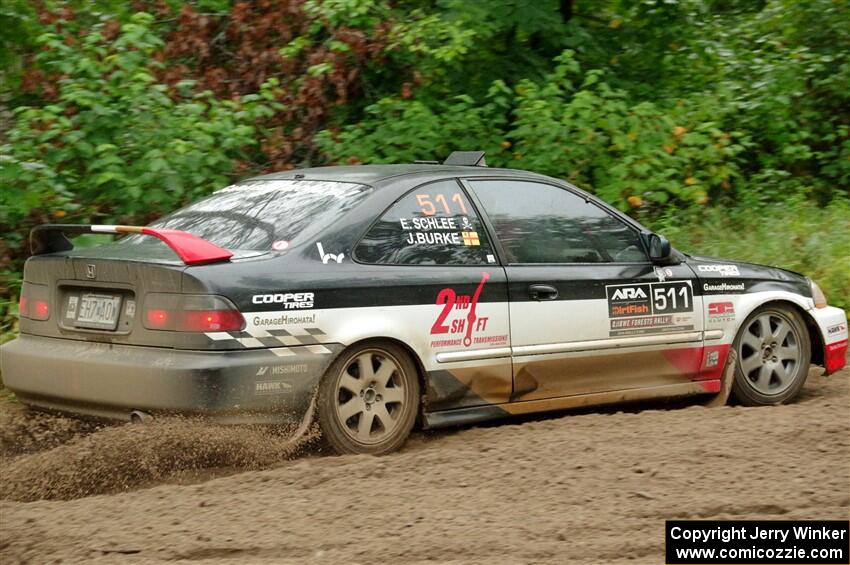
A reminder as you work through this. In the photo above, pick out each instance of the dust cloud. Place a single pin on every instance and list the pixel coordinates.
(52, 457)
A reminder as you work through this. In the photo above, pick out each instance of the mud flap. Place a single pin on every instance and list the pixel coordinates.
(306, 425)
(726, 379)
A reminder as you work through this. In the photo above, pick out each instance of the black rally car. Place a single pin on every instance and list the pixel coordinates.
(447, 292)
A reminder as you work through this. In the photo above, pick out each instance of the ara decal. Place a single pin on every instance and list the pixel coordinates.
(650, 307)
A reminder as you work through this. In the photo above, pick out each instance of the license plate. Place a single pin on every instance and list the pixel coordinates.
(98, 311)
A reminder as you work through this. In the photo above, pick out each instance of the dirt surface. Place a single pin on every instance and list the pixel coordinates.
(583, 487)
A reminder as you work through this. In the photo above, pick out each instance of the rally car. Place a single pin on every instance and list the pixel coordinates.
(385, 295)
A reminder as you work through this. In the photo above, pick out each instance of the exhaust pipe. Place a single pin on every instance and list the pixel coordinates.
(139, 417)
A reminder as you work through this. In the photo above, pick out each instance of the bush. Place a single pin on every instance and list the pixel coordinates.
(572, 125)
(114, 143)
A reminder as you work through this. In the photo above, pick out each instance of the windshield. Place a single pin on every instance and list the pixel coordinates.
(261, 215)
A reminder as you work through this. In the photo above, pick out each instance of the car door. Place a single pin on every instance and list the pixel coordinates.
(589, 312)
(430, 254)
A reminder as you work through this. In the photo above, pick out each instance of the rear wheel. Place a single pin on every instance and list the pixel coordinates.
(368, 399)
(774, 353)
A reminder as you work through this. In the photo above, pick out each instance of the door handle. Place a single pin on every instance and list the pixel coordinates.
(542, 292)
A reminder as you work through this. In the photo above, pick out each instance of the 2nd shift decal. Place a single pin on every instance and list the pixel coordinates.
(459, 320)
(650, 307)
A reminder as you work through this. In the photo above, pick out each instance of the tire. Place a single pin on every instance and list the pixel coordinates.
(774, 353)
(369, 399)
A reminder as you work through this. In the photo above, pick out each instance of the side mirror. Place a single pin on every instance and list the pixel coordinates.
(659, 247)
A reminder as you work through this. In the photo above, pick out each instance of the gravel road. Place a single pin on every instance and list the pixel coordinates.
(582, 487)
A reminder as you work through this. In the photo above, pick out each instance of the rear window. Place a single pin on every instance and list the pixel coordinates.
(258, 216)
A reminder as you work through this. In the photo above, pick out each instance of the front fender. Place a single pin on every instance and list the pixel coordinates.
(827, 326)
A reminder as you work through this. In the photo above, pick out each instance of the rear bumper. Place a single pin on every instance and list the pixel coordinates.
(111, 381)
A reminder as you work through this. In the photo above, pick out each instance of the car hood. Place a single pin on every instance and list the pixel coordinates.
(728, 270)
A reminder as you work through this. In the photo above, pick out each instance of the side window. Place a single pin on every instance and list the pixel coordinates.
(434, 224)
(541, 223)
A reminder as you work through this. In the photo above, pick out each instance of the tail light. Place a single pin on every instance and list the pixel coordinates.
(212, 321)
(191, 313)
(40, 310)
(157, 319)
(34, 303)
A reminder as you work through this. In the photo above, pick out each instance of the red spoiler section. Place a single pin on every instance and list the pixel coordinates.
(191, 249)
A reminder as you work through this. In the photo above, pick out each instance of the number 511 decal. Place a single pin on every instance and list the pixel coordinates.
(429, 207)
(647, 299)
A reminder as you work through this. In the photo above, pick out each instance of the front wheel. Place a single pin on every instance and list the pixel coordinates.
(774, 353)
(368, 399)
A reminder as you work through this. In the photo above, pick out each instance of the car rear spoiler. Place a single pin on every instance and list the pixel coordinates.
(191, 249)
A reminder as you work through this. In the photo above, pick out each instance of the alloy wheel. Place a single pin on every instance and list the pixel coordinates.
(770, 353)
(370, 396)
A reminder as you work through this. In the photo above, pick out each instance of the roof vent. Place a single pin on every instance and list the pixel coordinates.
(466, 158)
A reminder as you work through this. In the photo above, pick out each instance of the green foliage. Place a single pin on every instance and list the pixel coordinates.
(578, 127)
(457, 46)
(115, 142)
(785, 82)
(795, 235)
(572, 125)
(8, 318)
(354, 13)
(17, 30)
(401, 131)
